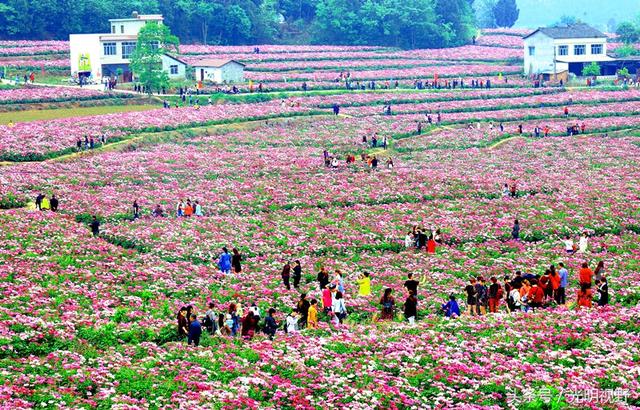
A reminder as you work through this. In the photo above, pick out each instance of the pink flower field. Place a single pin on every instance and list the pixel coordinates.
(89, 307)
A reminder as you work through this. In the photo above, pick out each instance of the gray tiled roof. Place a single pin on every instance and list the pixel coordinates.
(573, 31)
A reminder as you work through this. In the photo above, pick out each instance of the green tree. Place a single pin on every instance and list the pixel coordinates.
(591, 70)
(484, 13)
(626, 50)
(456, 18)
(154, 40)
(628, 32)
(566, 20)
(506, 12)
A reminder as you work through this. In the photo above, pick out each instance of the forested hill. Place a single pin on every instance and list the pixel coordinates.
(408, 24)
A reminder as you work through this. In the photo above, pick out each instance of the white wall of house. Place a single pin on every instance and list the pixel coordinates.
(539, 52)
(176, 69)
(87, 44)
(228, 73)
(131, 25)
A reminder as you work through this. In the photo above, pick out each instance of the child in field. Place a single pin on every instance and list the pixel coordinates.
(451, 308)
(312, 316)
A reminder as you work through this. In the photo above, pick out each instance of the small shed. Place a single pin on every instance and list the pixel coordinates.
(219, 71)
(175, 67)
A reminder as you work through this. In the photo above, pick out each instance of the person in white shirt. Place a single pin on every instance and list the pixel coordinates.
(505, 190)
(583, 243)
(515, 298)
(409, 241)
(334, 162)
(338, 308)
(569, 245)
(198, 211)
(292, 321)
(255, 309)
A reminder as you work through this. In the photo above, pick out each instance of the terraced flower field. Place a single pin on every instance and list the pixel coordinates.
(89, 321)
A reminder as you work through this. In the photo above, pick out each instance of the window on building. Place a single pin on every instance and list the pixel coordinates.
(155, 45)
(532, 51)
(127, 48)
(109, 49)
(173, 69)
(121, 29)
(596, 48)
(563, 50)
(579, 49)
(113, 29)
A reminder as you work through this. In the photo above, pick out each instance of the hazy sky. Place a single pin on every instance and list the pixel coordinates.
(536, 13)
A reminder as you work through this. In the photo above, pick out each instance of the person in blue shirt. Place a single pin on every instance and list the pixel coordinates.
(451, 308)
(224, 263)
(195, 330)
(270, 324)
(564, 282)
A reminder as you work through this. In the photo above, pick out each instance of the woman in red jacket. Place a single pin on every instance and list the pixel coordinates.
(585, 296)
(431, 245)
(535, 296)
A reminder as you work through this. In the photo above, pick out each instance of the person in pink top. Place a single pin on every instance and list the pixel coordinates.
(327, 297)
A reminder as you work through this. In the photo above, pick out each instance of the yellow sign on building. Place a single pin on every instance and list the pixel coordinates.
(84, 63)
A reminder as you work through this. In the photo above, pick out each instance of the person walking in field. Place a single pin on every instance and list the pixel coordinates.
(297, 274)
(286, 275)
(515, 231)
(236, 259)
(195, 331)
(470, 289)
(224, 262)
(411, 308)
(95, 226)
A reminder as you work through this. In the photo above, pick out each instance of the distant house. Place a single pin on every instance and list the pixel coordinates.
(175, 67)
(218, 71)
(105, 55)
(551, 50)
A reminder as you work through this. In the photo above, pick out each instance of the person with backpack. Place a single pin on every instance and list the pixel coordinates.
(514, 300)
(495, 294)
(388, 304)
(481, 296)
(209, 321)
(338, 308)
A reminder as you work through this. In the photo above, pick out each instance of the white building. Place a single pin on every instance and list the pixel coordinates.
(218, 71)
(556, 49)
(99, 55)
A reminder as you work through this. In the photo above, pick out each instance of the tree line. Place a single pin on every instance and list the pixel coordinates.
(398, 23)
